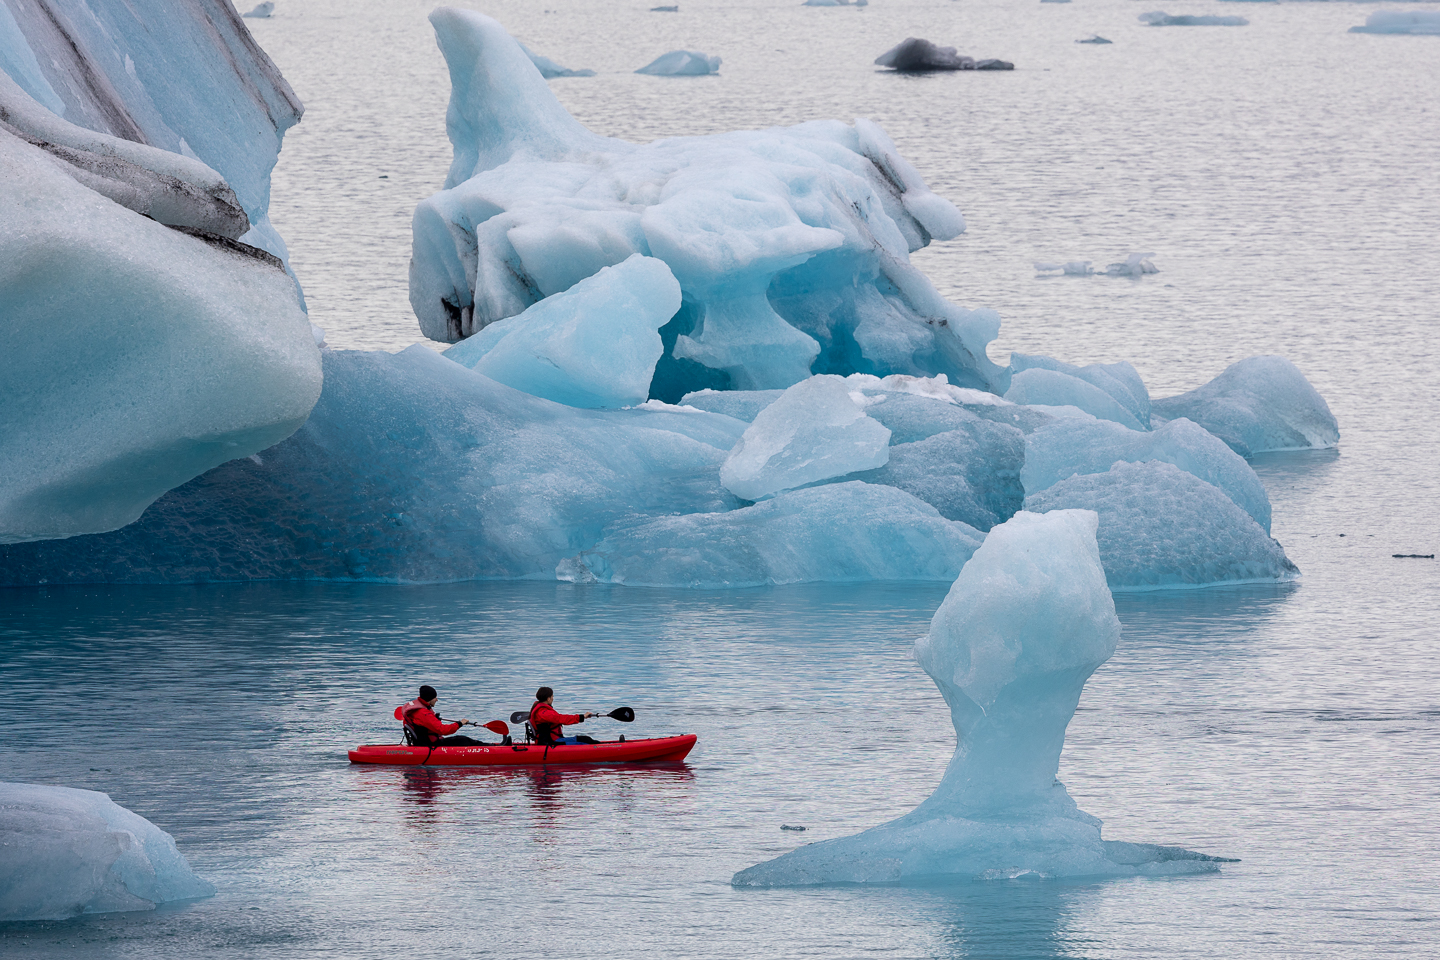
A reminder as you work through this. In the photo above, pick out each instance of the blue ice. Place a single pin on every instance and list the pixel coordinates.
(682, 63)
(1257, 405)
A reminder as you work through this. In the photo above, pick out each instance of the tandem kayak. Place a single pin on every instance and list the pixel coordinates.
(527, 754)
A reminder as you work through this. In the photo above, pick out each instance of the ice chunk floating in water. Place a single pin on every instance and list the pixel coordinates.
(682, 63)
(791, 245)
(1027, 622)
(1256, 405)
(68, 852)
(262, 11)
(917, 55)
(1418, 22)
(1159, 18)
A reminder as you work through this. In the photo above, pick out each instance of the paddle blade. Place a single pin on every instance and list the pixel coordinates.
(623, 714)
(497, 726)
(520, 716)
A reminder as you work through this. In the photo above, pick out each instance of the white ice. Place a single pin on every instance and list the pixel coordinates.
(261, 11)
(549, 69)
(815, 431)
(790, 244)
(1163, 527)
(1419, 22)
(1136, 264)
(1025, 625)
(1070, 268)
(70, 852)
(1058, 452)
(841, 533)
(193, 352)
(594, 345)
(682, 63)
(1257, 405)
(1159, 18)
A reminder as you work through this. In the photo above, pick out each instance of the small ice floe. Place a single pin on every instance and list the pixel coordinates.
(1074, 268)
(836, 3)
(262, 11)
(914, 55)
(786, 826)
(1420, 22)
(682, 63)
(1095, 38)
(1135, 265)
(1054, 1)
(670, 9)
(549, 69)
(1159, 18)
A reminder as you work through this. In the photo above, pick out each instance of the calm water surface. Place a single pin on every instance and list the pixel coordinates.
(1282, 173)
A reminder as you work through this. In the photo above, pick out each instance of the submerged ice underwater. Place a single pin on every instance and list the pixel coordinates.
(704, 363)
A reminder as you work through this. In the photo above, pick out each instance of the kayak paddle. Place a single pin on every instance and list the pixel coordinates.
(623, 714)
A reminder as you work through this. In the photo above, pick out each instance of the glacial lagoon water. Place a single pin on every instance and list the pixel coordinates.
(1282, 173)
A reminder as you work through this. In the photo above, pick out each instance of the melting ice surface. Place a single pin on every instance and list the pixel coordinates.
(1027, 622)
(68, 852)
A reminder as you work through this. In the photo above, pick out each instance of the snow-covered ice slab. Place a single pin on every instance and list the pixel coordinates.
(1061, 451)
(682, 63)
(1417, 22)
(1159, 18)
(68, 852)
(191, 351)
(839, 533)
(1162, 527)
(791, 245)
(181, 75)
(1257, 405)
(815, 431)
(594, 345)
(1025, 625)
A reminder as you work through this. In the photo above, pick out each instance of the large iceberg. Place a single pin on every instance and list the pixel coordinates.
(69, 852)
(791, 246)
(1257, 405)
(815, 431)
(594, 345)
(1419, 22)
(1025, 625)
(1058, 452)
(1163, 527)
(843, 532)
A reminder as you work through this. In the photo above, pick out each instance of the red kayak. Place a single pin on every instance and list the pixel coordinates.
(527, 754)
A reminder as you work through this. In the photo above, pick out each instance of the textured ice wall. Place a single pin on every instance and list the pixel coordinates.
(791, 245)
(1163, 527)
(1027, 622)
(1255, 405)
(181, 75)
(136, 356)
(68, 852)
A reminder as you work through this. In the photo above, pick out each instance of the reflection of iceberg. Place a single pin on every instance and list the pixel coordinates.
(1026, 623)
(682, 63)
(70, 852)
(1420, 22)
(1159, 18)
(1256, 405)
(549, 69)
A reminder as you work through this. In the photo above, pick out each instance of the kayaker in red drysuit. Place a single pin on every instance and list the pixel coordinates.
(548, 724)
(426, 728)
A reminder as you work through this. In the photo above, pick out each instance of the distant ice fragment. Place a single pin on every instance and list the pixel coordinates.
(1058, 452)
(594, 345)
(672, 8)
(1071, 268)
(71, 852)
(1257, 405)
(1163, 527)
(1416, 22)
(1095, 38)
(261, 11)
(682, 63)
(549, 69)
(914, 54)
(1135, 265)
(839, 533)
(1026, 623)
(815, 431)
(1159, 18)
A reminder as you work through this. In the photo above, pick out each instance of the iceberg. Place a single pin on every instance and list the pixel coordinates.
(681, 63)
(195, 350)
(1136, 264)
(1418, 22)
(971, 474)
(71, 852)
(1071, 448)
(159, 73)
(915, 55)
(1120, 380)
(1053, 388)
(740, 404)
(1159, 18)
(815, 431)
(261, 11)
(1026, 623)
(1163, 527)
(791, 245)
(841, 533)
(1096, 39)
(549, 69)
(594, 345)
(1257, 405)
